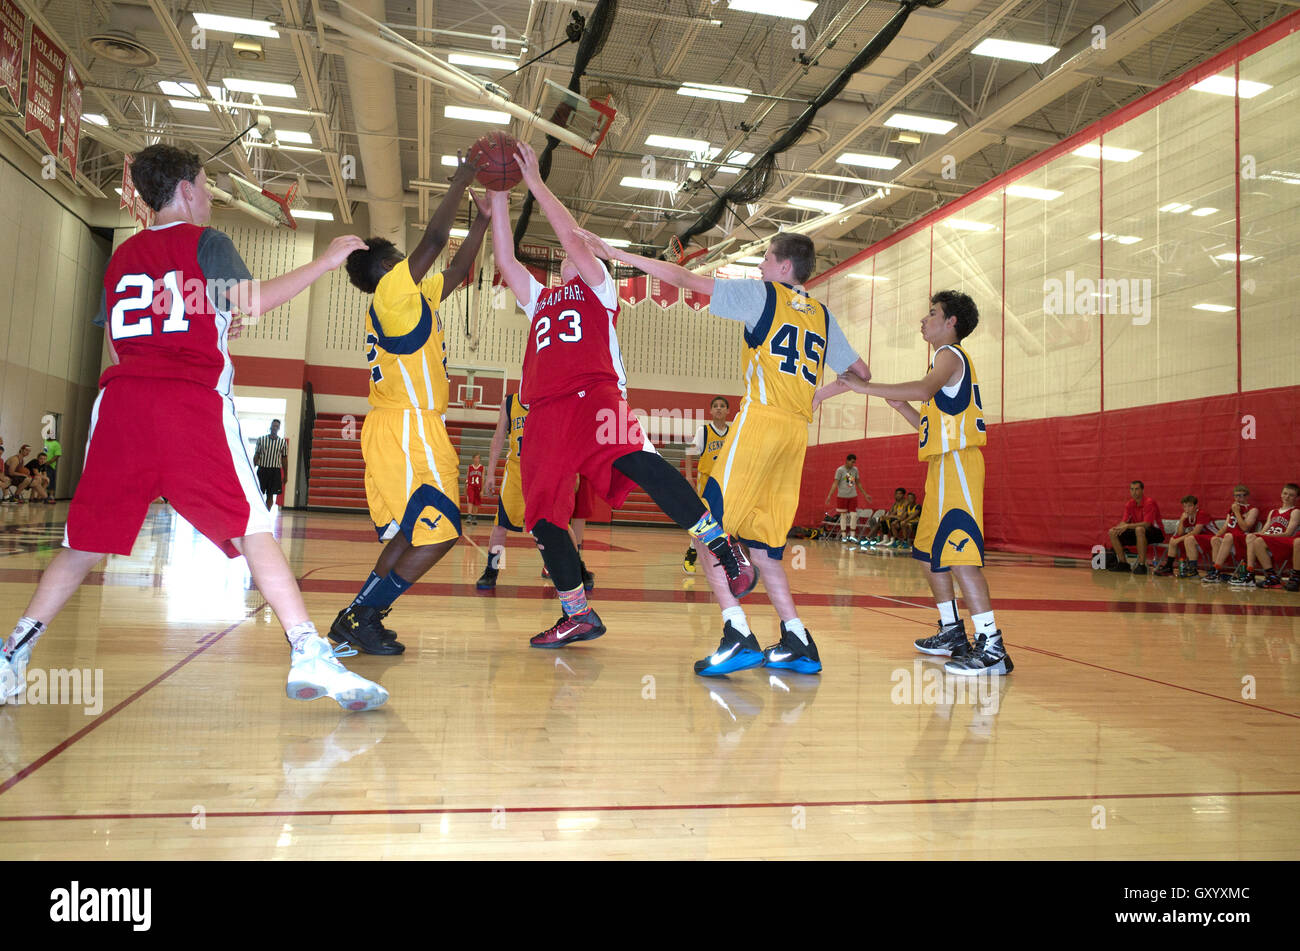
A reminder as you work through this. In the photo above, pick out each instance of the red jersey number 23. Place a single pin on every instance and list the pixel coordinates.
(542, 331)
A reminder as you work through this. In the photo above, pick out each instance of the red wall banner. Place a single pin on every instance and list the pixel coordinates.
(663, 293)
(71, 117)
(128, 186)
(696, 301)
(632, 290)
(12, 24)
(45, 69)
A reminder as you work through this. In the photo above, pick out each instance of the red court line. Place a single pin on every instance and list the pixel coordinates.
(1163, 683)
(210, 639)
(104, 717)
(664, 807)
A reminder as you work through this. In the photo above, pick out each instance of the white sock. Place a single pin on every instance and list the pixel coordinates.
(298, 634)
(21, 629)
(984, 624)
(947, 612)
(796, 628)
(736, 618)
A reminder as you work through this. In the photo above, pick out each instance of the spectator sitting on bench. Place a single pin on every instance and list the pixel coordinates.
(5, 481)
(1141, 527)
(886, 525)
(1184, 536)
(911, 516)
(1273, 541)
(20, 476)
(40, 470)
(1241, 518)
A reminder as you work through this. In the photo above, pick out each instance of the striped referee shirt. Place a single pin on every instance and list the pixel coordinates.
(270, 452)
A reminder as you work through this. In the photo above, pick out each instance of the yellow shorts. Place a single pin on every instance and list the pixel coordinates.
(412, 475)
(754, 486)
(510, 506)
(951, 530)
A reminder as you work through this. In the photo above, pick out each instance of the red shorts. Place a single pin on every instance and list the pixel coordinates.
(846, 505)
(1280, 547)
(578, 435)
(171, 438)
(1238, 538)
(474, 494)
(583, 500)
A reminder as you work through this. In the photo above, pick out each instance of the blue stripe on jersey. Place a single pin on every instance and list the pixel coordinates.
(410, 342)
(755, 337)
(956, 405)
(421, 499)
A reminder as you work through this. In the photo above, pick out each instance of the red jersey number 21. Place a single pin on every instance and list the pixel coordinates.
(543, 329)
(143, 301)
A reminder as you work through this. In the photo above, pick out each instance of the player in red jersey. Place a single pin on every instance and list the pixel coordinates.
(474, 487)
(578, 420)
(1241, 518)
(169, 293)
(1274, 540)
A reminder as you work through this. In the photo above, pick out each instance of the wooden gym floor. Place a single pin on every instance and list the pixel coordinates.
(1122, 734)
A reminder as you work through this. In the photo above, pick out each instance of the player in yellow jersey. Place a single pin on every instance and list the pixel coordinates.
(509, 435)
(754, 487)
(706, 446)
(950, 536)
(412, 471)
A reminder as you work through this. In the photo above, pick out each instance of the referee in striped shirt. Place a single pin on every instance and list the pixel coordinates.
(270, 457)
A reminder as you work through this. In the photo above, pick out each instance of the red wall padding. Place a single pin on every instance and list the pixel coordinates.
(1054, 486)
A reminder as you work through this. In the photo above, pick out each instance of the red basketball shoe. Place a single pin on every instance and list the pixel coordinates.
(580, 627)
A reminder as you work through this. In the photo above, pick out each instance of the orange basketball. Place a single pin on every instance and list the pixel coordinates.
(494, 154)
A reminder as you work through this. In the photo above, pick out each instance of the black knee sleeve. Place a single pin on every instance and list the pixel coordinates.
(559, 554)
(664, 484)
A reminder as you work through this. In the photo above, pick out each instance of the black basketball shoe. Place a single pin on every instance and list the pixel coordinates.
(949, 642)
(360, 626)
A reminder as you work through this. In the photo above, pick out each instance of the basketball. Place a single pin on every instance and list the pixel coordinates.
(494, 153)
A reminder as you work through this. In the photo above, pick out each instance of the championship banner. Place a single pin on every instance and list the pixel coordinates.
(663, 293)
(537, 252)
(696, 301)
(141, 211)
(72, 87)
(12, 25)
(632, 290)
(45, 67)
(557, 260)
(128, 186)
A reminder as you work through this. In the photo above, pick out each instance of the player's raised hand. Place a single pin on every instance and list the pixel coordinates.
(526, 159)
(341, 247)
(465, 169)
(483, 206)
(599, 246)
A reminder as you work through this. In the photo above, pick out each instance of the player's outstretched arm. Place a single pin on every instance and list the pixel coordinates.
(674, 274)
(463, 262)
(857, 373)
(255, 298)
(503, 247)
(589, 269)
(498, 442)
(946, 365)
(438, 230)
